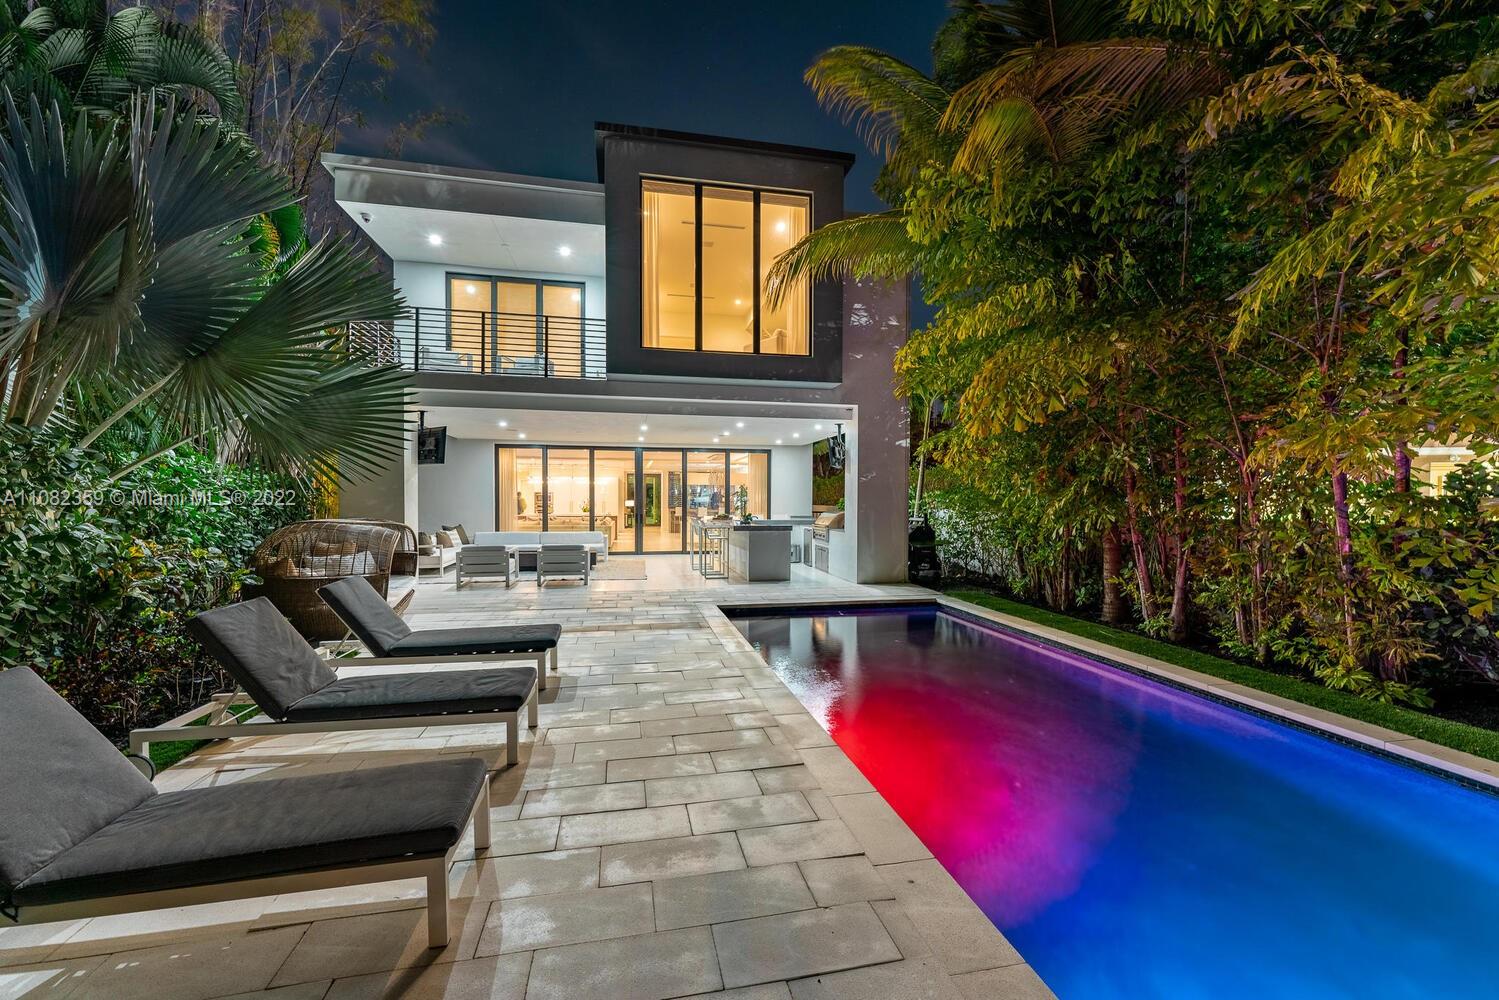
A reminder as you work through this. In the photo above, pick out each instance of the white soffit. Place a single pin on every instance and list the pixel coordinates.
(489, 242)
(623, 429)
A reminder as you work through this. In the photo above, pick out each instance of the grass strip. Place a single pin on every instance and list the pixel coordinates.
(1457, 735)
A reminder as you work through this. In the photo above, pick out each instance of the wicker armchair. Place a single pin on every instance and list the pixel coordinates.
(403, 563)
(294, 561)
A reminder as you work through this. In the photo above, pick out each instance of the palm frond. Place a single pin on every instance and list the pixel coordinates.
(863, 246)
(890, 102)
(348, 422)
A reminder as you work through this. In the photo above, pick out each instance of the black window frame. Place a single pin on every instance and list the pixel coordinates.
(494, 299)
(697, 232)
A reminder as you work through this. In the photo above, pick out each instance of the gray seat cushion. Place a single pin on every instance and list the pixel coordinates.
(392, 696)
(60, 780)
(360, 606)
(261, 650)
(480, 639)
(250, 829)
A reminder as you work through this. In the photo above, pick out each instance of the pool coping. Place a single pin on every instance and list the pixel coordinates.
(1464, 768)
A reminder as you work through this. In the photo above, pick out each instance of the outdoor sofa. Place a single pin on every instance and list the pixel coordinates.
(391, 641)
(298, 691)
(83, 833)
(596, 542)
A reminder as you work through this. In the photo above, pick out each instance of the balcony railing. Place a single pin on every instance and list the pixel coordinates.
(472, 342)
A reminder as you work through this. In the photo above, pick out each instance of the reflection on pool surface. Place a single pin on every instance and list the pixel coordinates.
(1133, 840)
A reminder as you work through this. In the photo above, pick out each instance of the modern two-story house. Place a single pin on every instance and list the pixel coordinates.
(604, 356)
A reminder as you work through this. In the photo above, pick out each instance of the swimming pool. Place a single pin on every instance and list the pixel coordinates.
(1135, 840)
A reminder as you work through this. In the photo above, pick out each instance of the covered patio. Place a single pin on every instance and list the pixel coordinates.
(678, 826)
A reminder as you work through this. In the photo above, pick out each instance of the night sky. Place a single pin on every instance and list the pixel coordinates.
(532, 78)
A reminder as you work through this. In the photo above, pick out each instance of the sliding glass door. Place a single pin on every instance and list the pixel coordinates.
(614, 498)
(639, 498)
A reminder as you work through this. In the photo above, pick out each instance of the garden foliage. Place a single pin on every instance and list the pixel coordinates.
(1207, 277)
(101, 575)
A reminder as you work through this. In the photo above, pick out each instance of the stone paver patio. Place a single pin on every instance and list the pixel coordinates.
(678, 826)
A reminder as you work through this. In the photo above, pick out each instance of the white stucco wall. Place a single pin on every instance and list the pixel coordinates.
(461, 490)
(790, 481)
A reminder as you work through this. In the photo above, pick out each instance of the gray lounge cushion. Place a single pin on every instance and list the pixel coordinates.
(60, 780)
(479, 639)
(261, 650)
(383, 632)
(250, 829)
(360, 606)
(443, 692)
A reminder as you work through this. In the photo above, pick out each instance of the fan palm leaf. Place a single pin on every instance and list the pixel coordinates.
(135, 257)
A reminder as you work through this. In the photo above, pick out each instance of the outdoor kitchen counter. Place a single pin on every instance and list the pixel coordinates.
(760, 551)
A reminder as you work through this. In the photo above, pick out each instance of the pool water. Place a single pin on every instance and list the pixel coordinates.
(1134, 840)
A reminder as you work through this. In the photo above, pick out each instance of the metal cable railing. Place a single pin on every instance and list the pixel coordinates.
(473, 342)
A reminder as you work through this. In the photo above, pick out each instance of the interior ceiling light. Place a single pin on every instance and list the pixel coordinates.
(564, 251)
(521, 435)
(470, 289)
(715, 440)
(778, 440)
(795, 434)
(781, 226)
(644, 427)
(739, 424)
(435, 239)
(504, 423)
(817, 427)
(640, 438)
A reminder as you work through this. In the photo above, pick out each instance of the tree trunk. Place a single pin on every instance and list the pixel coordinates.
(1137, 548)
(1113, 562)
(1179, 578)
(1402, 456)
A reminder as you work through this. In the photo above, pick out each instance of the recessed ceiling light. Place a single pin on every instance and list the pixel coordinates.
(640, 438)
(778, 440)
(471, 289)
(564, 251)
(645, 427)
(715, 440)
(521, 435)
(739, 302)
(435, 239)
(795, 434)
(739, 424)
(817, 427)
(504, 423)
(781, 226)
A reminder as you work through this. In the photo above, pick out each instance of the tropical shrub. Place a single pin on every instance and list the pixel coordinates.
(101, 575)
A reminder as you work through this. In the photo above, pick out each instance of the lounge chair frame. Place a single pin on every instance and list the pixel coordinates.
(542, 659)
(223, 724)
(432, 867)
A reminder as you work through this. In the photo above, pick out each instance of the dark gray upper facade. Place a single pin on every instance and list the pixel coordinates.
(629, 154)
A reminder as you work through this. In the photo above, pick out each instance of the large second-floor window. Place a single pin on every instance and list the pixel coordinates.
(705, 251)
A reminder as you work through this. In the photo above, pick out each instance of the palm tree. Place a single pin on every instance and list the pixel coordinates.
(1033, 81)
(79, 55)
(131, 270)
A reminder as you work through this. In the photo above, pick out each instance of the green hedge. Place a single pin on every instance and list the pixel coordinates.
(1469, 739)
(100, 578)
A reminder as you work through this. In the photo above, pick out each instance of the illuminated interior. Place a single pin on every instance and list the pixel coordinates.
(733, 269)
(639, 498)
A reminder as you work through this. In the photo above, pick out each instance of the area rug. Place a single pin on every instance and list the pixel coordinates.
(620, 569)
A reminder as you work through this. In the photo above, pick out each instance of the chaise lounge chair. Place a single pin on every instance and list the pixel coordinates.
(300, 693)
(390, 640)
(83, 833)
